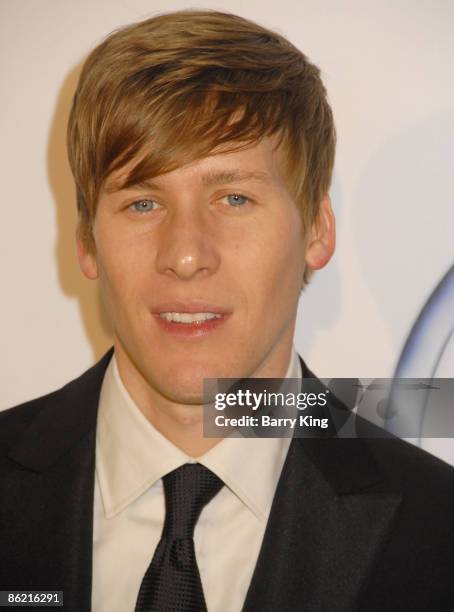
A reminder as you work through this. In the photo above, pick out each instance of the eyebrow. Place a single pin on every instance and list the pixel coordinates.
(211, 179)
(221, 177)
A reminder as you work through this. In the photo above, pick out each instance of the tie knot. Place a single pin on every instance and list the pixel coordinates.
(187, 490)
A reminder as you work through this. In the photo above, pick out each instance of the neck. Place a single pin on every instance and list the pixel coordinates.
(180, 423)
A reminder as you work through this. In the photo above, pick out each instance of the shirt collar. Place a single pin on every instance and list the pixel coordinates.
(131, 455)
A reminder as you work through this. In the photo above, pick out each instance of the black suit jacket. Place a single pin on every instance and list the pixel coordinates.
(356, 524)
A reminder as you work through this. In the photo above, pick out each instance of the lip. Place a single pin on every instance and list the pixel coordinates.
(189, 307)
(190, 330)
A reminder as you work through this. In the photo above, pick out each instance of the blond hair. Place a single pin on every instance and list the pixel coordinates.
(179, 85)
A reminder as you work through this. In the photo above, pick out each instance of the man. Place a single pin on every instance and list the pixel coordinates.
(202, 147)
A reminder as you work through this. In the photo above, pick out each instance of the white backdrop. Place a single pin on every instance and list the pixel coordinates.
(388, 67)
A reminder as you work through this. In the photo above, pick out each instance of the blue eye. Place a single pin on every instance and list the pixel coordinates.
(143, 206)
(235, 199)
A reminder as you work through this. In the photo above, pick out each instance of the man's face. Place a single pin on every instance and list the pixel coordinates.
(201, 269)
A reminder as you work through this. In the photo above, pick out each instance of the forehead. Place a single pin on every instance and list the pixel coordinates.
(261, 162)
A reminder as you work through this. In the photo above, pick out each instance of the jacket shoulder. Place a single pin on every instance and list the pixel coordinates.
(16, 420)
(418, 472)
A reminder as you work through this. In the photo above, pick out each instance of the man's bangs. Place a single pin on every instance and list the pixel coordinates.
(191, 131)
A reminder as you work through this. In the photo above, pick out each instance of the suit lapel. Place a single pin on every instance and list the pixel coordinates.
(51, 489)
(331, 513)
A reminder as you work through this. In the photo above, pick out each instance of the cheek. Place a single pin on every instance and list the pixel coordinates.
(271, 268)
(282, 277)
(121, 274)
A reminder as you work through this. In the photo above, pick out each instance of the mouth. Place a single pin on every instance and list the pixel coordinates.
(190, 320)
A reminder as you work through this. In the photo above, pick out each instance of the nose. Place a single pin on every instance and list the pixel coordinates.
(187, 248)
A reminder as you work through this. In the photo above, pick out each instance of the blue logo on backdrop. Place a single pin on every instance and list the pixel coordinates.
(423, 353)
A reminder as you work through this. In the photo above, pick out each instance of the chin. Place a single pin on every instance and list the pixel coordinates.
(182, 391)
(185, 385)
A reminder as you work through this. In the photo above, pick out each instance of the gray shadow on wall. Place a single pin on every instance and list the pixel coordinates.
(72, 281)
(320, 302)
(402, 220)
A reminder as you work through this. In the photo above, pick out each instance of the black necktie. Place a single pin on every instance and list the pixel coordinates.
(172, 580)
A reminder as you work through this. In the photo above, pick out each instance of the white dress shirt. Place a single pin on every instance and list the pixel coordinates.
(129, 507)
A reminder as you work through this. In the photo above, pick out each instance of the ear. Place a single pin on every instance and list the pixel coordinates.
(322, 237)
(87, 260)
